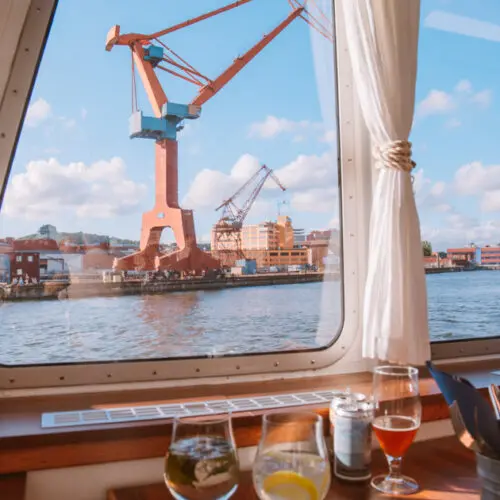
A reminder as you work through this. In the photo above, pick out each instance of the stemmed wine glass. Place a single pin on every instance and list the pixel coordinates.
(292, 458)
(202, 461)
(397, 419)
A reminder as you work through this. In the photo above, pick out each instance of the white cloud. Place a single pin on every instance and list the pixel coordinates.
(38, 112)
(462, 25)
(463, 86)
(462, 230)
(316, 200)
(329, 136)
(436, 102)
(419, 181)
(46, 188)
(210, 187)
(52, 151)
(273, 126)
(67, 122)
(453, 123)
(334, 223)
(441, 102)
(310, 180)
(309, 172)
(443, 208)
(490, 201)
(430, 196)
(474, 178)
(438, 188)
(482, 98)
(83, 113)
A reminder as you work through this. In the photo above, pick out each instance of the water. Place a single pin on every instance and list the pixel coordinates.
(464, 305)
(243, 320)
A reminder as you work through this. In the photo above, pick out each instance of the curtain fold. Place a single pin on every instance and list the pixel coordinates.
(382, 40)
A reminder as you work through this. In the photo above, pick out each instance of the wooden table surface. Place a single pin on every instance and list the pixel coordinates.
(444, 469)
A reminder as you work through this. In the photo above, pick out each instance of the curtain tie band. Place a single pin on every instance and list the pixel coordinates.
(395, 155)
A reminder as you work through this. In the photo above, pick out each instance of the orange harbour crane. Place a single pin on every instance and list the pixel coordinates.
(150, 53)
(227, 231)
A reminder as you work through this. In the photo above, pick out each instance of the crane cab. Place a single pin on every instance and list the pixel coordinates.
(166, 127)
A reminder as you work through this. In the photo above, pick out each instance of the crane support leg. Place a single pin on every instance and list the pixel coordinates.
(167, 213)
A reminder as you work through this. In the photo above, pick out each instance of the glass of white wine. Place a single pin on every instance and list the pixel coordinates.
(202, 460)
(292, 458)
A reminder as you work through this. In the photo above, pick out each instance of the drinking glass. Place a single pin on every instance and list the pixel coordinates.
(397, 419)
(202, 461)
(292, 459)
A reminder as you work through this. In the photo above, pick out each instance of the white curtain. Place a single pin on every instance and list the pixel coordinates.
(382, 39)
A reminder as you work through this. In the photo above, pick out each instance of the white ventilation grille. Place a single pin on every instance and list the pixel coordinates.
(216, 407)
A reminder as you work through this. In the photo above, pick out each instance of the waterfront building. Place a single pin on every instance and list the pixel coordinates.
(462, 257)
(319, 235)
(280, 259)
(264, 236)
(4, 266)
(24, 264)
(488, 256)
(285, 232)
(435, 261)
(270, 244)
(317, 252)
(299, 237)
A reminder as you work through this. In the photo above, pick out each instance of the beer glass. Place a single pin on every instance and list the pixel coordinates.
(397, 419)
(202, 461)
(292, 458)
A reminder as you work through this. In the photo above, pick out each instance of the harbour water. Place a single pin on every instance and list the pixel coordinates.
(214, 323)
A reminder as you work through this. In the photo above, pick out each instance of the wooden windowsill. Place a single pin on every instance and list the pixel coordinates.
(25, 446)
(444, 469)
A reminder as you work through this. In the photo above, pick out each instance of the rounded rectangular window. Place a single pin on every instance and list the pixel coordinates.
(177, 191)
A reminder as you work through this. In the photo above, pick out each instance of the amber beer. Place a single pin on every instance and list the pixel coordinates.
(395, 433)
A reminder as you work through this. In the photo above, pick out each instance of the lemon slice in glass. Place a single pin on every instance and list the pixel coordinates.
(289, 485)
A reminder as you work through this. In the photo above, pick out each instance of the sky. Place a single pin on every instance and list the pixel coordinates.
(77, 168)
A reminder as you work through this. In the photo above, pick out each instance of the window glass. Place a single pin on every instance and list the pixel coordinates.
(457, 179)
(96, 161)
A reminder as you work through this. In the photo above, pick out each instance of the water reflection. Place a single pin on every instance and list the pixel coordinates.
(183, 324)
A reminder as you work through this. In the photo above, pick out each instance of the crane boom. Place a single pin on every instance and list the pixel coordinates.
(114, 37)
(235, 215)
(241, 189)
(152, 85)
(209, 90)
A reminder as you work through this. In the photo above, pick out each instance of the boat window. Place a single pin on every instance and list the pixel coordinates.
(154, 190)
(457, 181)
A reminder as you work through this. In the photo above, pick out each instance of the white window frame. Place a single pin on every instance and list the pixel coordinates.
(355, 195)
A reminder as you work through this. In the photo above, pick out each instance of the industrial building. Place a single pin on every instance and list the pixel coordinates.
(45, 258)
(274, 244)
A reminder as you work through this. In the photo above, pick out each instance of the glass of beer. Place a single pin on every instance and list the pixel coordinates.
(202, 461)
(397, 419)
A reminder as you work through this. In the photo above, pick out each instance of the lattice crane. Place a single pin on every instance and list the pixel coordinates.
(227, 232)
(149, 53)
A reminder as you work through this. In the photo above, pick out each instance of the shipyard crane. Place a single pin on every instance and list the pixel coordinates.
(149, 54)
(227, 232)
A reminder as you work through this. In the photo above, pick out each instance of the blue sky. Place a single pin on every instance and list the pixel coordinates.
(457, 113)
(77, 168)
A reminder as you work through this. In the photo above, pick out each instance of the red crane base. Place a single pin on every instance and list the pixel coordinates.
(167, 213)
